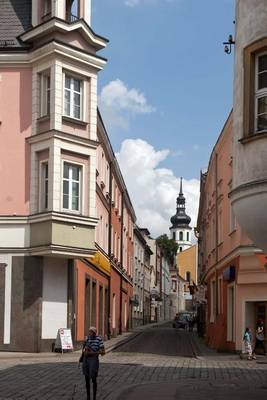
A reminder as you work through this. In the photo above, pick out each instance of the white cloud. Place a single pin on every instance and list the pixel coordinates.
(119, 104)
(154, 190)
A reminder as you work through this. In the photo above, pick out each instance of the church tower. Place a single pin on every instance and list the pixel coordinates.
(180, 231)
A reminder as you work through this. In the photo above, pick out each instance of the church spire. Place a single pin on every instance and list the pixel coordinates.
(180, 219)
(181, 185)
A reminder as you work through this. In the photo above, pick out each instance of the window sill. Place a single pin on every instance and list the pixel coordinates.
(44, 118)
(74, 121)
(253, 136)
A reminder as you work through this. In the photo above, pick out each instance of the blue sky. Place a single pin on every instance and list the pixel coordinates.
(167, 82)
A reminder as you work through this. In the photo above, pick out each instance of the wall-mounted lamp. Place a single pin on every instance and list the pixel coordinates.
(228, 45)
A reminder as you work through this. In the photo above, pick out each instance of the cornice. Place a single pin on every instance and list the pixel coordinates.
(50, 48)
(238, 251)
(48, 216)
(68, 137)
(57, 24)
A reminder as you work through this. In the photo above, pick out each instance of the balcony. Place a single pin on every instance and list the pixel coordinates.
(71, 18)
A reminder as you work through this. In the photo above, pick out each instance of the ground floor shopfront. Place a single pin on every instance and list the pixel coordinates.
(40, 295)
(237, 298)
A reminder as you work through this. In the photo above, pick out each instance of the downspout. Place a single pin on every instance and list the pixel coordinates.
(109, 247)
(121, 260)
(216, 232)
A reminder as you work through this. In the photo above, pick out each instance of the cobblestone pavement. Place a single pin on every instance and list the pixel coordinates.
(129, 373)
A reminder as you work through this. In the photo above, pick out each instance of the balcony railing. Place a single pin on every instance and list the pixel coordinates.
(71, 18)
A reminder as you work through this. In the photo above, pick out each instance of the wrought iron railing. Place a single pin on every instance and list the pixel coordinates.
(71, 18)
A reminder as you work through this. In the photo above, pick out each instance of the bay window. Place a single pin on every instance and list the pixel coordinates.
(73, 97)
(72, 175)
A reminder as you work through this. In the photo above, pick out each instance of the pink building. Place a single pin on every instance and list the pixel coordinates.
(55, 175)
(230, 265)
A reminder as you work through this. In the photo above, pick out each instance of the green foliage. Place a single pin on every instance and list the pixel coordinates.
(168, 247)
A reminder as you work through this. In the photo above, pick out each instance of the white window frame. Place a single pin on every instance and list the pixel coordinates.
(72, 91)
(259, 93)
(81, 186)
(45, 93)
(42, 180)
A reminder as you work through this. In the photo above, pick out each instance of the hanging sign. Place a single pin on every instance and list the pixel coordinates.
(64, 340)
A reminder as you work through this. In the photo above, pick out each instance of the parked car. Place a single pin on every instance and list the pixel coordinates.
(182, 320)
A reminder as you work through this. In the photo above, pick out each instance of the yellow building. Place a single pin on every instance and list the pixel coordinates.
(186, 262)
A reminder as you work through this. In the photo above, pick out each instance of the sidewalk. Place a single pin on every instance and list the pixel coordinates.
(110, 345)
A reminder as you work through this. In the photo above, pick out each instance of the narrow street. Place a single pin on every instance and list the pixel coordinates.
(159, 363)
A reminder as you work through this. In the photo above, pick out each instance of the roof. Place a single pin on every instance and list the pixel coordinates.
(15, 18)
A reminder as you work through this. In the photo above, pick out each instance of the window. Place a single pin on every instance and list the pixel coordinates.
(261, 93)
(255, 88)
(72, 10)
(232, 220)
(72, 187)
(173, 235)
(180, 249)
(47, 9)
(181, 236)
(187, 236)
(45, 94)
(174, 285)
(188, 276)
(44, 186)
(73, 97)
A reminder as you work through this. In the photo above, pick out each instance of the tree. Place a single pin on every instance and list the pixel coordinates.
(168, 247)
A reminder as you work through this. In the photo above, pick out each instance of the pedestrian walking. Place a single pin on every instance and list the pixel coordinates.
(259, 343)
(247, 338)
(92, 347)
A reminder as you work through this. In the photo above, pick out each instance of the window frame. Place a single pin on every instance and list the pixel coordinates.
(251, 52)
(82, 86)
(45, 94)
(81, 186)
(42, 179)
(259, 93)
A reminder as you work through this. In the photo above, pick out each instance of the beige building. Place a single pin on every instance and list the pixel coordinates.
(187, 268)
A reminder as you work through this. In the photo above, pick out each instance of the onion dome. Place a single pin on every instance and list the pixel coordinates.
(180, 219)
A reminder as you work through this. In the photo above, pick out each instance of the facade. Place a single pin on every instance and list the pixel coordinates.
(155, 281)
(249, 187)
(174, 291)
(180, 231)
(138, 279)
(48, 66)
(230, 265)
(66, 219)
(187, 267)
(165, 289)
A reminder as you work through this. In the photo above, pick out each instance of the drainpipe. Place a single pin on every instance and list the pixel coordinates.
(109, 246)
(216, 231)
(121, 260)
